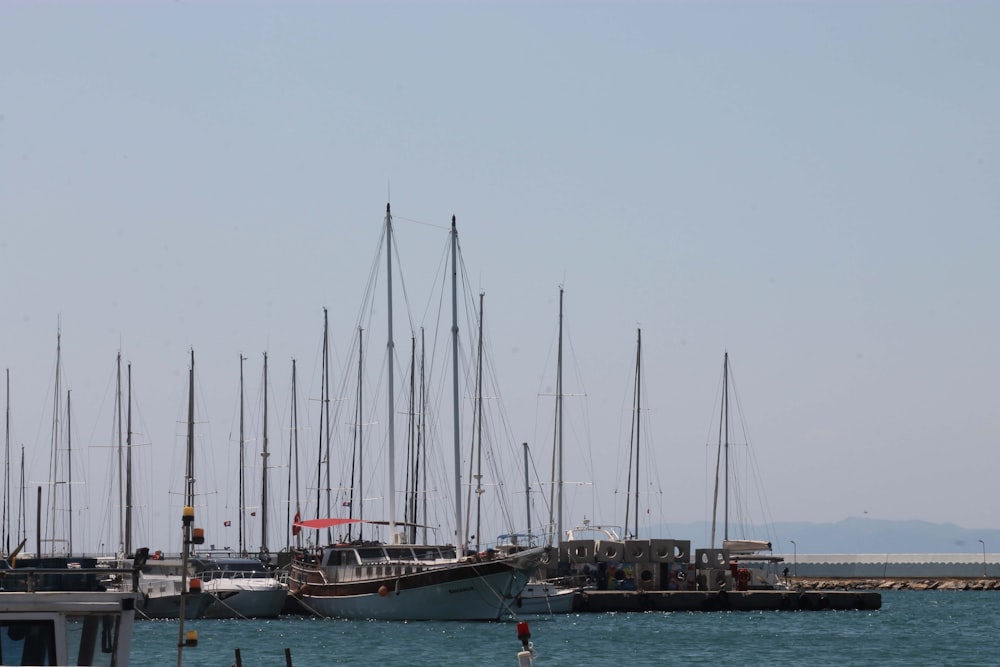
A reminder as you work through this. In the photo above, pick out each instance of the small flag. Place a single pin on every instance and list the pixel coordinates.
(346, 503)
(296, 529)
(227, 524)
(253, 514)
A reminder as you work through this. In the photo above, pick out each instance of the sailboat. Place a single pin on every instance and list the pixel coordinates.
(162, 583)
(402, 581)
(540, 595)
(750, 561)
(244, 587)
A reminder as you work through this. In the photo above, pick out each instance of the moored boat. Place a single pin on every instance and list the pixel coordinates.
(240, 588)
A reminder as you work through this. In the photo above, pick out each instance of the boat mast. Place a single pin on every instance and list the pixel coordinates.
(390, 352)
(120, 452)
(293, 467)
(189, 457)
(22, 515)
(69, 471)
(128, 467)
(421, 434)
(454, 378)
(324, 417)
(54, 466)
(357, 462)
(242, 476)
(263, 486)
(188, 502)
(478, 452)
(722, 451)
(725, 398)
(411, 457)
(634, 445)
(6, 474)
(527, 493)
(557, 445)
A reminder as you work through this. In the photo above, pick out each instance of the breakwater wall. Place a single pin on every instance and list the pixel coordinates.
(894, 583)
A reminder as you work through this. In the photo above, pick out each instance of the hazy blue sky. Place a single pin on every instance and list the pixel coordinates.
(814, 187)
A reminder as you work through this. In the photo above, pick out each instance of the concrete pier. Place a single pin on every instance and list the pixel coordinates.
(801, 600)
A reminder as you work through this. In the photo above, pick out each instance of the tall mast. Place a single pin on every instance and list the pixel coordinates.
(527, 493)
(323, 416)
(723, 445)
(189, 457)
(634, 446)
(557, 445)
(263, 484)
(56, 413)
(22, 515)
(241, 510)
(120, 452)
(725, 409)
(421, 439)
(454, 381)
(293, 467)
(357, 460)
(128, 468)
(390, 352)
(411, 457)
(188, 503)
(69, 471)
(6, 474)
(478, 452)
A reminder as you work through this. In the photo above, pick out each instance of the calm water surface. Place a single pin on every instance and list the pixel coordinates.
(912, 628)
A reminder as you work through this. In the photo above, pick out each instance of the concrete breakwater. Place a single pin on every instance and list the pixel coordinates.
(894, 584)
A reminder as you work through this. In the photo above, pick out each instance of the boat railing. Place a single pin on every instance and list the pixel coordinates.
(39, 579)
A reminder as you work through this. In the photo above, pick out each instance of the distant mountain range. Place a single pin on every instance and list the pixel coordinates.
(855, 535)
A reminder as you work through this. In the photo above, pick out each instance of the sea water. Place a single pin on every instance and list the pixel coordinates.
(911, 628)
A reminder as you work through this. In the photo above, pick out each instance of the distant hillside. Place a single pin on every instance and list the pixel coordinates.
(856, 536)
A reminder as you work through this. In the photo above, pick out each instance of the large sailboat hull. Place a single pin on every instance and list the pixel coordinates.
(245, 602)
(466, 590)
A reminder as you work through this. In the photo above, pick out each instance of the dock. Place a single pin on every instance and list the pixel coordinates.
(597, 601)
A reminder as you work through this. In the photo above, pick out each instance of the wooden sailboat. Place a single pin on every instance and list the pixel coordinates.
(402, 581)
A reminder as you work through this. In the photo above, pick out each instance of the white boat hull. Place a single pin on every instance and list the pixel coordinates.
(246, 603)
(540, 598)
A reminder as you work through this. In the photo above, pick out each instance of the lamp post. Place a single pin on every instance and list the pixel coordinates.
(795, 559)
(984, 557)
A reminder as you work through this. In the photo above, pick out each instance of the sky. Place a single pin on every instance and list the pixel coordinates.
(812, 187)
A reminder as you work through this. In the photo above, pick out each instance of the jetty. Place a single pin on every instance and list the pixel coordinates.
(757, 600)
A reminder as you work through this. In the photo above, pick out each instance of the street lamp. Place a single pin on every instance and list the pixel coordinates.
(984, 557)
(795, 559)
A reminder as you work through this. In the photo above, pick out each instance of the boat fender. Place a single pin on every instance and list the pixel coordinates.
(398, 586)
(383, 590)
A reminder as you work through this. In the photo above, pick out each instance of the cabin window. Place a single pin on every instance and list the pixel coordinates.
(371, 555)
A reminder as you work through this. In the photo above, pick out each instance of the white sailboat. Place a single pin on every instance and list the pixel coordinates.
(750, 560)
(400, 581)
(163, 583)
(244, 587)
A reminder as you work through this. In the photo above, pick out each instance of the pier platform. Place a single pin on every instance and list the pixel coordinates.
(754, 600)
